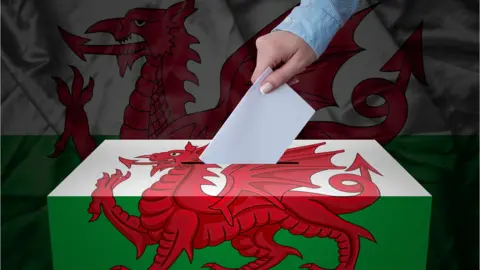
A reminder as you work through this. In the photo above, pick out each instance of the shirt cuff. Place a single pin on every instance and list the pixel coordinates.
(316, 29)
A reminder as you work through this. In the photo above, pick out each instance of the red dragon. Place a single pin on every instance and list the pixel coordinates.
(176, 215)
(157, 104)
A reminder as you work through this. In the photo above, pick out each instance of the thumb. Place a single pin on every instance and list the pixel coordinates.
(282, 75)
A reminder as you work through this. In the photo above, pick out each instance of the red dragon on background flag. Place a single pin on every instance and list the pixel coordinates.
(177, 215)
(157, 104)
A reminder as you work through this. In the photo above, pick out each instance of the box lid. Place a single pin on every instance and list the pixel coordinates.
(364, 158)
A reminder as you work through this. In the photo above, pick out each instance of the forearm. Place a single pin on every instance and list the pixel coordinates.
(317, 21)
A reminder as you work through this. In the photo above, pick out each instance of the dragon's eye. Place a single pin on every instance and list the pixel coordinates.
(140, 23)
(174, 154)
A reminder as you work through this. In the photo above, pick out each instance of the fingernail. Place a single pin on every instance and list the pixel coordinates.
(266, 88)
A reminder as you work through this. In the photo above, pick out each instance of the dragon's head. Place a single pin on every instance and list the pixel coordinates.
(164, 160)
(155, 31)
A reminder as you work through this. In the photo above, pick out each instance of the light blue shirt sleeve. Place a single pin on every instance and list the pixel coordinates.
(317, 21)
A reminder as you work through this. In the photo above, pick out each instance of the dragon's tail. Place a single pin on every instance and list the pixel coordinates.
(360, 192)
(394, 109)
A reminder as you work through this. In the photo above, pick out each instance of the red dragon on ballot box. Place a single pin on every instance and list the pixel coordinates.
(187, 215)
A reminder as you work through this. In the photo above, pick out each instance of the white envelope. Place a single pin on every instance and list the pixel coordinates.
(260, 128)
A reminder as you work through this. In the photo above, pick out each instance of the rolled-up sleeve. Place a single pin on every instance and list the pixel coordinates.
(317, 21)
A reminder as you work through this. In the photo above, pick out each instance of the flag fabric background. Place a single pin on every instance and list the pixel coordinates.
(438, 144)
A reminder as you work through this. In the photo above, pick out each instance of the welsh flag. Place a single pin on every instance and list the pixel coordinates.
(75, 73)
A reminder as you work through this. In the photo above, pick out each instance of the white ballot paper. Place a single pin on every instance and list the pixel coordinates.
(260, 128)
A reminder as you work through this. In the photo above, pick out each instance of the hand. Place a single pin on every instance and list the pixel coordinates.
(277, 48)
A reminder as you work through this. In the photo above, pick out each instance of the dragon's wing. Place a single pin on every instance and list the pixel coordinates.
(271, 181)
(315, 83)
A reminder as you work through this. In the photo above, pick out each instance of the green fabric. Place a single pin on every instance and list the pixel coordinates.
(446, 166)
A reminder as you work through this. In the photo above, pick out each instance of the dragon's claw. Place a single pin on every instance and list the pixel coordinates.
(94, 217)
(104, 192)
(94, 209)
(108, 183)
(76, 120)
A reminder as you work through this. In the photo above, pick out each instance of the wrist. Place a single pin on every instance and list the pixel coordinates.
(317, 22)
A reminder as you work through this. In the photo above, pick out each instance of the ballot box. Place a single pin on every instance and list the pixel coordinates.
(152, 204)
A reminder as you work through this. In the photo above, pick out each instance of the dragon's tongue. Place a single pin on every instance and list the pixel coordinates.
(126, 60)
(154, 170)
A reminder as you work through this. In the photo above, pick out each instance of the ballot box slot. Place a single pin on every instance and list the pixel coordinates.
(199, 162)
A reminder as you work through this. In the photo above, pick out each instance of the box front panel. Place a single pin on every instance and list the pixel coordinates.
(319, 201)
(399, 224)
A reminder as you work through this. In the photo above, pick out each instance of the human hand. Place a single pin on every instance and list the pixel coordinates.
(284, 52)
